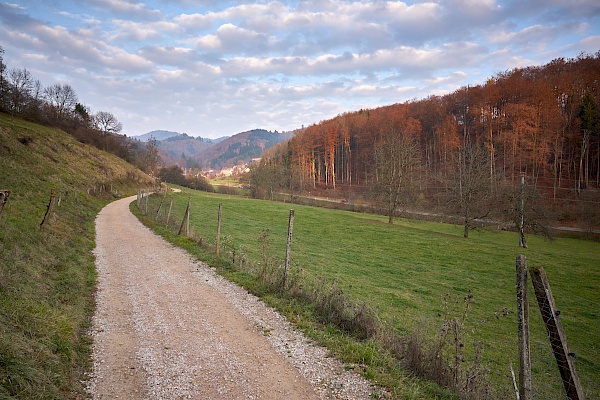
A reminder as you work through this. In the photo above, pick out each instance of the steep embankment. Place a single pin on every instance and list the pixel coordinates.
(47, 276)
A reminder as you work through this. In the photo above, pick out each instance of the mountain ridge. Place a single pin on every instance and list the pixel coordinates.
(188, 151)
(160, 134)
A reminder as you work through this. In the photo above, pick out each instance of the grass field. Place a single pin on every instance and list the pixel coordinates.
(405, 270)
(47, 277)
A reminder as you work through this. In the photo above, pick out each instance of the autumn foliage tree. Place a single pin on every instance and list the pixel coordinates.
(538, 121)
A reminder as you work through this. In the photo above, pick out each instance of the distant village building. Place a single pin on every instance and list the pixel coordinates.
(192, 172)
(227, 172)
(236, 170)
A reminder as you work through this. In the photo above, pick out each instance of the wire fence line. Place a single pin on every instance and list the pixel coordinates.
(545, 376)
(55, 198)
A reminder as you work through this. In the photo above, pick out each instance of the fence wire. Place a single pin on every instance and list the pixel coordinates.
(489, 341)
(584, 352)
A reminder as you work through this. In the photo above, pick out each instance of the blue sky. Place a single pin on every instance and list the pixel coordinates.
(217, 68)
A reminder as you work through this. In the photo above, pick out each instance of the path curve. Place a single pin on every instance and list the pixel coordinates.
(168, 327)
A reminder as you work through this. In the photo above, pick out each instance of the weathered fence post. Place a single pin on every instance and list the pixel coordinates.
(288, 249)
(160, 206)
(219, 217)
(169, 213)
(523, 329)
(48, 210)
(556, 334)
(186, 220)
(522, 241)
(3, 199)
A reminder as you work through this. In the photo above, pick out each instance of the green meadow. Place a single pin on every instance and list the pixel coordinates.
(414, 272)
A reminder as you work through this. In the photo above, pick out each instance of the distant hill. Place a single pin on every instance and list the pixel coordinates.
(158, 135)
(183, 150)
(189, 151)
(243, 147)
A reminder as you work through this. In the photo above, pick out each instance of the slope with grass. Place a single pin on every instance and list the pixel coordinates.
(419, 274)
(47, 276)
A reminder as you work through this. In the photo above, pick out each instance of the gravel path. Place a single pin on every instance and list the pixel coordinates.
(169, 327)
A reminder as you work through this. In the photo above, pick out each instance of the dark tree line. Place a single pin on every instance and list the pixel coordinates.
(174, 174)
(22, 95)
(472, 146)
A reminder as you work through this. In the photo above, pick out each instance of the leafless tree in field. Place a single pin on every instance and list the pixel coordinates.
(468, 184)
(396, 166)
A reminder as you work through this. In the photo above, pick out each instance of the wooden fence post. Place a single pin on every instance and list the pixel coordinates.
(160, 206)
(3, 199)
(169, 213)
(186, 220)
(288, 249)
(219, 228)
(523, 329)
(556, 334)
(522, 241)
(48, 210)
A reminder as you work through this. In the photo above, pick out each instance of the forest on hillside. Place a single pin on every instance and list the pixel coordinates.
(466, 150)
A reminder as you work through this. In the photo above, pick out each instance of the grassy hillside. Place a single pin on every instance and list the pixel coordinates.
(47, 277)
(416, 273)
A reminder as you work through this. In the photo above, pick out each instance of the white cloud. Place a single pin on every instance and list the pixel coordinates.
(168, 55)
(127, 8)
(14, 6)
(590, 44)
(217, 68)
(531, 34)
(193, 22)
(231, 39)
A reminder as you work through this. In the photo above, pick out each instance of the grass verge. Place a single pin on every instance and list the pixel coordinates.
(47, 277)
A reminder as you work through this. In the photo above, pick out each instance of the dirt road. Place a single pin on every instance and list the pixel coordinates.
(168, 327)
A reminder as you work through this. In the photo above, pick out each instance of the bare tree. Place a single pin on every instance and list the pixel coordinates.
(589, 116)
(2, 80)
(108, 124)
(149, 159)
(468, 185)
(526, 207)
(396, 166)
(269, 176)
(62, 99)
(20, 85)
(37, 95)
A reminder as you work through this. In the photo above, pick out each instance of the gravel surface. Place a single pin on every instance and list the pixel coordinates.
(168, 327)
